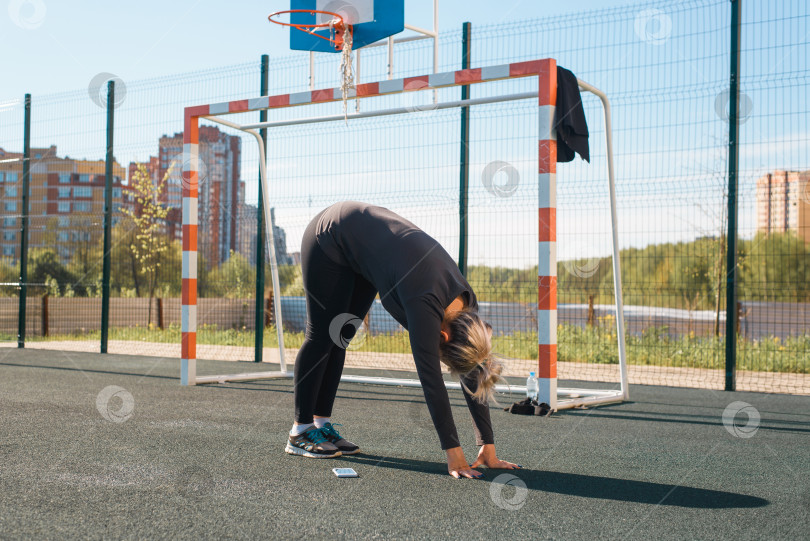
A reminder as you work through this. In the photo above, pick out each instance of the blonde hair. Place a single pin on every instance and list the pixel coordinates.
(468, 352)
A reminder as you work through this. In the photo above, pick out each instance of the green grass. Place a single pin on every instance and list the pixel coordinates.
(589, 345)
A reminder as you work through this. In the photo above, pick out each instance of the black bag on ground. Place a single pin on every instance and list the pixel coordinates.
(527, 406)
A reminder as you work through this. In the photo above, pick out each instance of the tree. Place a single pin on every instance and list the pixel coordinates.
(692, 274)
(44, 264)
(86, 257)
(125, 275)
(9, 274)
(775, 268)
(233, 279)
(170, 270)
(292, 282)
(148, 218)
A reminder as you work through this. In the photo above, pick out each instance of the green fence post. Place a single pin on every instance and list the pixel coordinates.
(108, 181)
(26, 181)
(733, 168)
(259, 325)
(464, 161)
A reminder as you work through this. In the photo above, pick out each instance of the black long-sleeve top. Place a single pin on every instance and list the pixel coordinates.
(416, 279)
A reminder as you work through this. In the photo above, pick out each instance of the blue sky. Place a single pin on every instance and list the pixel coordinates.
(73, 41)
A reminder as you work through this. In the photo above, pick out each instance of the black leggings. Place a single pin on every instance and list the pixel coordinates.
(332, 290)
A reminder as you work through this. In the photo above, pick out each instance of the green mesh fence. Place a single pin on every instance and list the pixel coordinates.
(664, 66)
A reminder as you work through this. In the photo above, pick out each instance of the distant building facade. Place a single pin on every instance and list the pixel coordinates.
(248, 230)
(280, 238)
(66, 201)
(221, 189)
(248, 224)
(783, 203)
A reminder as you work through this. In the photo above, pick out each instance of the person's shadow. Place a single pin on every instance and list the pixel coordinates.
(587, 486)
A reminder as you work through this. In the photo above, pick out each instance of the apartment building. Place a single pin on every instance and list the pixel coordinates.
(66, 201)
(783, 203)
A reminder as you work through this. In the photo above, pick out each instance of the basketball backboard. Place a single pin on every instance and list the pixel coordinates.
(372, 20)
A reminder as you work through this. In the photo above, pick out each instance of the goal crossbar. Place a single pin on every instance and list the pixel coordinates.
(546, 75)
(567, 398)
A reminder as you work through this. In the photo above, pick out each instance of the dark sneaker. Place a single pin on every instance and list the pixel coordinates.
(331, 434)
(312, 444)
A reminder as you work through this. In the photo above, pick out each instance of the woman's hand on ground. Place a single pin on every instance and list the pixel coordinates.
(486, 457)
(458, 467)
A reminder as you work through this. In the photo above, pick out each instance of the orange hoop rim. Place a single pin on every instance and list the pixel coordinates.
(340, 26)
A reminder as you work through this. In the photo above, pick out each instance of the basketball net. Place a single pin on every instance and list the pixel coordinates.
(346, 69)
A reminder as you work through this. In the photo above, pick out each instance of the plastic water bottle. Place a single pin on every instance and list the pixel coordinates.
(532, 386)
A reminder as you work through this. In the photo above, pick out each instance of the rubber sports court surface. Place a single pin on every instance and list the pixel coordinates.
(154, 459)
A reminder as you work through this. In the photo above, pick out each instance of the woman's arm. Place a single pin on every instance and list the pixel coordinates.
(424, 327)
(483, 430)
(479, 412)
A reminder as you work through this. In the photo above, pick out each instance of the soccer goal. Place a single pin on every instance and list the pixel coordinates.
(543, 93)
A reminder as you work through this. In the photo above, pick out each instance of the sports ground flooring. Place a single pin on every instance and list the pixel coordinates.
(153, 459)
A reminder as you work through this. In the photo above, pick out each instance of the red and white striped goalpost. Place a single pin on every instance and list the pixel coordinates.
(547, 237)
(188, 315)
(546, 73)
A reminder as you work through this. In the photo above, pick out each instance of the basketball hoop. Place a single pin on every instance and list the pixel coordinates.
(340, 36)
(339, 31)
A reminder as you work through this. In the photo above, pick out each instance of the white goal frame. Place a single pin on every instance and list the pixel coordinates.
(545, 71)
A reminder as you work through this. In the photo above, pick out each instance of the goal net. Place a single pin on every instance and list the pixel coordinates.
(538, 246)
